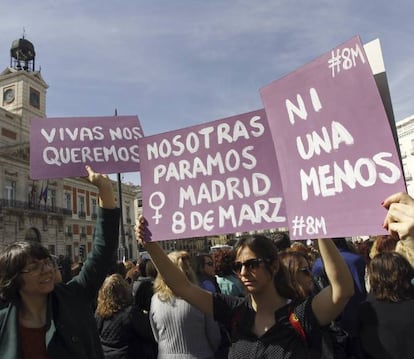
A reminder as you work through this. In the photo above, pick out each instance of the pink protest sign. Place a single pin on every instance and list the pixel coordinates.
(216, 178)
(61, 147)
(336, 153)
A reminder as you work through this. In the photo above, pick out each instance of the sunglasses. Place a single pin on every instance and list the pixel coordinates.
(305, 270)
(250, 264)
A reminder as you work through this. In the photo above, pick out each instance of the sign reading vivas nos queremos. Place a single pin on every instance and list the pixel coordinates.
(61, 147)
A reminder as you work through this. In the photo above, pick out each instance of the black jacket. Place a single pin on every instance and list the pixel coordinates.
(126, 335)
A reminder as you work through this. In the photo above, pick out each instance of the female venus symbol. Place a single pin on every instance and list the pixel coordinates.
(155, 207)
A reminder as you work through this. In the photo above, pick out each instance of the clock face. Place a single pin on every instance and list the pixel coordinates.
(8, 96)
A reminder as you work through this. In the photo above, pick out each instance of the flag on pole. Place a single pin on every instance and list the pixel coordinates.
(44, 194)
(33, 193)
(41, 194)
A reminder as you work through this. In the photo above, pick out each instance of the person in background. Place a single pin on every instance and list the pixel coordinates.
(299, 246)
(58, 273)
(356, 264)
(142, 291)
(379, 244)
(132, 275)
(386, 319)
(44, 319)
(128, 265)
(260, 324)
(122, 327)
(306, 249)
(206, 273)
(363, 248)
(299, 272)
(118, 268)
(227, 280)
(181, 330)
(65, 265)
(142, 288)
(385, 243)
(281, 240)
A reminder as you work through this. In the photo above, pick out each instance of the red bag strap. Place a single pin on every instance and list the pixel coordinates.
(295, 323)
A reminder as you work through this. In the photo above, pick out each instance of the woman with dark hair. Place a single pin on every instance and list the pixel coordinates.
(227, 280)
(121, 325)
(44, 319)
(206, 272)
(386, 319)
(142, 288)
(260, 324)
(299, 272)
(142, 291)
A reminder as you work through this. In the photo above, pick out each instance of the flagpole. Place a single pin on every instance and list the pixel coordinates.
(39, 204)
(122, 249)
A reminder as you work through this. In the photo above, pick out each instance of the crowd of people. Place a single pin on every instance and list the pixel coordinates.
(267, 297)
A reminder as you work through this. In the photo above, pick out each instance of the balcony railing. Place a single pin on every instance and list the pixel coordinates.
(94, 216)
(39, 207)
(81, 214)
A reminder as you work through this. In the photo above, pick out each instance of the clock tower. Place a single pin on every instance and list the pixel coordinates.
(59, 213)
(22, 92)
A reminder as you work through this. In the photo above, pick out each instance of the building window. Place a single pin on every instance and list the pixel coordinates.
(94, 207)
(34, 98)
(10, 190)
(68, 200)
(81, 202)
(52, 194)
(128, 214)
(68, 231)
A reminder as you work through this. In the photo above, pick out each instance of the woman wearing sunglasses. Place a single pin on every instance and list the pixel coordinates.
(299, 272)
(259, 324)
(206, 272)
(43, 319)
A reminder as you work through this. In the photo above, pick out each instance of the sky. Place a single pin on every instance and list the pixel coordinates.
(179, 63)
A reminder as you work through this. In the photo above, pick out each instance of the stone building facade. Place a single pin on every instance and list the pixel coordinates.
(60, 213)
(405, 131)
